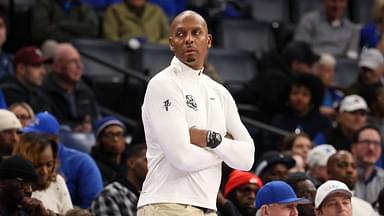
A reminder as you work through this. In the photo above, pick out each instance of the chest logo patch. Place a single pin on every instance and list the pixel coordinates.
(166, 104)
(191, 103)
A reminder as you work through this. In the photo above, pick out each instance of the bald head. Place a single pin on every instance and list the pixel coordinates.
(341, 166)
(66, 63)
(189, 39)
(188, 13)
(62, 50)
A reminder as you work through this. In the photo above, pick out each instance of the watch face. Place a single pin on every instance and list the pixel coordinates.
(218, 137)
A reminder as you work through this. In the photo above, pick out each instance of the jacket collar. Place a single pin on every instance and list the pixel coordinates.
(184, 70)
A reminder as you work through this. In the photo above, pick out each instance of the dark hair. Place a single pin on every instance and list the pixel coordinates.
(313, 84)
(355, 137)
(135, 150)
(370, 93)
(289, 140)
(294, 178)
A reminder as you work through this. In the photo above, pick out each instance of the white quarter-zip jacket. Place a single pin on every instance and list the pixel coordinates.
(176, 99)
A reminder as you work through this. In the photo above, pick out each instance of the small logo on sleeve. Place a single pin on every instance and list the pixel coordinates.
(166, 104)
(191, 103)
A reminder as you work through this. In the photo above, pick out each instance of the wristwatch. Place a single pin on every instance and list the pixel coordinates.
(213, 139)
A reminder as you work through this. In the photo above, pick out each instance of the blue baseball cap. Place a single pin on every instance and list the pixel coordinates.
(277, 192)
(44, 122)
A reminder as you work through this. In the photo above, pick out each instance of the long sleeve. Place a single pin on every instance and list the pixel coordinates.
(241, 146)
(168, 127)
(304, 29)
(89, 182)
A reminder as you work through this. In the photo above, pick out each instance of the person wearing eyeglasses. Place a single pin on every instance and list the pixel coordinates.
(366, 149)
(109, 151)
(239, 194)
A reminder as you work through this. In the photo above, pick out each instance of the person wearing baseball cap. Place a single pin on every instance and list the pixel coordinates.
(278, 198)
(240, 194)
(371, 66)
(25, 85)
(274, 162)
(351, 117)
(333, 198)
(317, 163)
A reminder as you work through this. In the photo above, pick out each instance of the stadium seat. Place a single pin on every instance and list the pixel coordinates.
(361, 10)
(301, 7)
(270, 10)
(247, 35)
(236, 68)
(152, 58)
(346, 72)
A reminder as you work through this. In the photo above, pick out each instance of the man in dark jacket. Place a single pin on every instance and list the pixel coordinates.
(73, 102)
(29, 76)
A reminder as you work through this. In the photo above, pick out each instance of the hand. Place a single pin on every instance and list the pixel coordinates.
(35, 207)
(198, 137)
(228, 136)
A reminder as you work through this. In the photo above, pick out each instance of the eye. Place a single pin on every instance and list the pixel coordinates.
(179, 34)
(197, 32)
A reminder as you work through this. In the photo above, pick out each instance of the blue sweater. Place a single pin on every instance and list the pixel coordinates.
(81, 174)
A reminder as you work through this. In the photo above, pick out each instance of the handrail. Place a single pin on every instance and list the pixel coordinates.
(264, 126)
(125, 71)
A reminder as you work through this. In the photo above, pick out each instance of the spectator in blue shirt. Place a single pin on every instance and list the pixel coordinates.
(6, 67)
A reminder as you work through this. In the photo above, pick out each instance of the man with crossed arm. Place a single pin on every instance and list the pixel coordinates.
(187, 118)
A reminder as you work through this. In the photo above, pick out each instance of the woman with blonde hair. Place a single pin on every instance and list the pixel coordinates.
(23, 112)
(51, 188)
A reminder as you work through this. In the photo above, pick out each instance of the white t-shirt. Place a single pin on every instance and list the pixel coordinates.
(179, 172)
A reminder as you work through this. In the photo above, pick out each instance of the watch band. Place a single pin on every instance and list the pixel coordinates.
(213, 139)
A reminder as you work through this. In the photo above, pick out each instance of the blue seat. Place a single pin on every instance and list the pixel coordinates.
(346, 72)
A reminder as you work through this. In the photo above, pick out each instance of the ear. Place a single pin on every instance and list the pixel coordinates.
(171, 45)
(265, 210)
(209, 40)
(317, 212)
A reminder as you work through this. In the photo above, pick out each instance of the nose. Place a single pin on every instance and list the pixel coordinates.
(189, 39)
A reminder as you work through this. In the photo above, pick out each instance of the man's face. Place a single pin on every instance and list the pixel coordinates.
(138, 166)
(307, 190)
(3, 32)
(69, 66)
(112, 140)
(370, 76)
(300, 98)
(8, 139)
(326, 73)
(190, 40)
(367, 150)
(245, 197)
(319, 172)
(34, 74)
(335, 8)
(136, 3)
(343, 168)
(352, 121)
(336, 204)
(12, 192)
(282, 210)
(278, 171)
